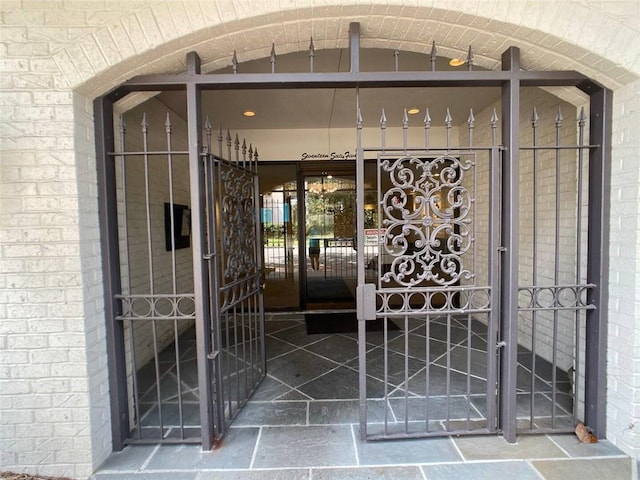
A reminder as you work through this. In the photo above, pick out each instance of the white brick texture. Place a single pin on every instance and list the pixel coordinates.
(56, 57)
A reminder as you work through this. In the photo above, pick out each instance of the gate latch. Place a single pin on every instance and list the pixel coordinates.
(501, 344)
(212, 355)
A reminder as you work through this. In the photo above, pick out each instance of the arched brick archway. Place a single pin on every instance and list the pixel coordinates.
(155, 39)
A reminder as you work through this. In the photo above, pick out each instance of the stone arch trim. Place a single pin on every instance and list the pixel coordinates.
(155, 38)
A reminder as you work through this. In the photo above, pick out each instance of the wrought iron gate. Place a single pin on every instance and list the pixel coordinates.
(433, 369)
(447, 273)
(235, 277)
(437, 367)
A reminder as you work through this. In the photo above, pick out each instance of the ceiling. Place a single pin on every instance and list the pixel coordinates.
(330, 107)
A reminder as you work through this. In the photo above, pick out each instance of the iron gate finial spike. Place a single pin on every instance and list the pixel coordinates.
(494, 119)
(494, 128)
(220, 139)
(255, 154)
(396, 56)
(471, 123)
(234, 62)
(427, 127)
(427, 118)
(144, 124)
(236, 142)
(244, 145)
(207, 125)
(273, 58)
(167, 124)
(405, 119)
(312, 53)
(535, 118)
(359, 118)
(383, 119)
(448, 120)
(433, 56)
(228, 138)
(559, 117)
(123, 125)
(582, 118)
(470, 59)
(472, 119)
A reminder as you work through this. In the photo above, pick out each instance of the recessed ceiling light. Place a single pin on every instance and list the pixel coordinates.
(456, 62)
(249, 113)
(413, 111)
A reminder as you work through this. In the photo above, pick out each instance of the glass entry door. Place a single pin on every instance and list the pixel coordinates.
(330, 267)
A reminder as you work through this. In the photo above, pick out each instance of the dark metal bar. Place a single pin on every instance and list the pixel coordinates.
(406, 373)
(385, 349)
(125, 232)
(577, 371)
(510, 234)
(448, 379)
(355, 78)
(427, 371)
(598, 264)
(200, 281)
(534, 315)
(156, 153)
(134, 380)
(107, 213)
(468, 385)
(556, 274)
(494, 266)
(354, 47)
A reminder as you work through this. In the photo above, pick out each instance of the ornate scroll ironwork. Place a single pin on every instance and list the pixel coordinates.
(238, 229)
(426, 212)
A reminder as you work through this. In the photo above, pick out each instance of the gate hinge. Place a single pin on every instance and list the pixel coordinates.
(208, 256)
(501, 344)
(502, 249)
(212, 355)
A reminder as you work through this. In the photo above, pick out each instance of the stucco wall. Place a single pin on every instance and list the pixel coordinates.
(55, 57)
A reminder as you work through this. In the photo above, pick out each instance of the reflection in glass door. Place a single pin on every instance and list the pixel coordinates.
(330, 220)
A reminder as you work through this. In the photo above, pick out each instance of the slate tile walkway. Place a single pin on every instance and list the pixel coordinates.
(302, 424)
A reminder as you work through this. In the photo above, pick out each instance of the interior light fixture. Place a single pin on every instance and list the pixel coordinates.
(249, 113)
(456, 62)
(413, 111)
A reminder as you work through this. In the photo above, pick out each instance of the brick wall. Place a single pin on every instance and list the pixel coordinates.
(623, 370)
(55, 57)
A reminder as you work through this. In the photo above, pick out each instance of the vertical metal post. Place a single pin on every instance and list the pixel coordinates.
(494, 282)
(362, 333)
(510, 232)
(354, 47)
(107, 206)
(200, 283)
(597, 263)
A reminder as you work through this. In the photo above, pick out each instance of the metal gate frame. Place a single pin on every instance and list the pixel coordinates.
(510, 79)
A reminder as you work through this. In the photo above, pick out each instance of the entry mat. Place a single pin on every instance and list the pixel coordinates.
(344, 322)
